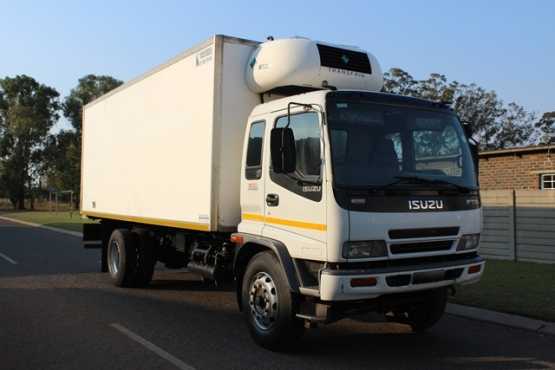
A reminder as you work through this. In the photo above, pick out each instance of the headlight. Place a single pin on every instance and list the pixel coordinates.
(468, 241)
(365, 249)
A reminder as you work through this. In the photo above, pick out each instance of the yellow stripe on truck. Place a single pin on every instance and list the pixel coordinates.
(284, 222)
(149, 221)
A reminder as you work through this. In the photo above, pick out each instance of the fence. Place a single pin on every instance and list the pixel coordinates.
(53, 202)
(519, 225)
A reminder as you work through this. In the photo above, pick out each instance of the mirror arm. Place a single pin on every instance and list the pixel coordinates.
(306, 106)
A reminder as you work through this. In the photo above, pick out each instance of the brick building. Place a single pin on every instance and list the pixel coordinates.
(531, 167)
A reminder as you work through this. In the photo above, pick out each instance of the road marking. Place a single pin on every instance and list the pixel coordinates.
(8, 259)
(55, 229)
(153, 347)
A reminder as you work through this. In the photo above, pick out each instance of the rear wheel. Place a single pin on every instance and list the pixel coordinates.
(122, 258)
(268, 304)
(146, 258)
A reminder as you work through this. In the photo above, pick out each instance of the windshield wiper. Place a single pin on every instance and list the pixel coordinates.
(421, 180)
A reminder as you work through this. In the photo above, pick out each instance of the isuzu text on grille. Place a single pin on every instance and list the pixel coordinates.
(415, 205)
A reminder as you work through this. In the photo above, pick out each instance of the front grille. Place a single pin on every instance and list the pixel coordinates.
(403, 262)
(344, 59)
(441, 245)
(423, 233)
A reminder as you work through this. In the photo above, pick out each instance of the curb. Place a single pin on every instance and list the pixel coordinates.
(515, 321)
(55, 229)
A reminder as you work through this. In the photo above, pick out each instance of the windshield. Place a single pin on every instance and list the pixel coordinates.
(380, 145)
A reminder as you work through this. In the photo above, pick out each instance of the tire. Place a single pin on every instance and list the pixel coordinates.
(146, 258)
(424, 314)
(268, 305)
(122, 258)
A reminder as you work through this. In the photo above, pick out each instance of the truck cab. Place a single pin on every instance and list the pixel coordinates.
(372, 197)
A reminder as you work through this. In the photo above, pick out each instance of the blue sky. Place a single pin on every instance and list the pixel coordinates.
(507, 46)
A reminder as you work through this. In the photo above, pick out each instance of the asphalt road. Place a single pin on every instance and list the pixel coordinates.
(58, 312)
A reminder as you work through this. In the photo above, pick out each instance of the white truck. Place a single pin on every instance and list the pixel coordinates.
(280, 166)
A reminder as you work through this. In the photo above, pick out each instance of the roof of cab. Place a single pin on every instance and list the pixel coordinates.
(381, 97)
(375, 97)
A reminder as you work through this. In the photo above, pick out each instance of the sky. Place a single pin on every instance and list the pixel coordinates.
(506, 46)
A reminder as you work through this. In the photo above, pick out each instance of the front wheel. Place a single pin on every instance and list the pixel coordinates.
(268, 304)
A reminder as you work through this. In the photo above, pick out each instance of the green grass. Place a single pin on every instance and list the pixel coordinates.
(62, 220)
(522, 288)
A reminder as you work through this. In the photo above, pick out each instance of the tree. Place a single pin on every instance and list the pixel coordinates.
(397, 81)
(28, 110)
(481, 109)
(436, 88)
(544, 128)
(64, 149)
(515, 127)
(59, 155)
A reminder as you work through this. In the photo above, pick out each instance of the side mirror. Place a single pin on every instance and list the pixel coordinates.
(282, 148)
(475, 151)
(474, 145)
(467, 130)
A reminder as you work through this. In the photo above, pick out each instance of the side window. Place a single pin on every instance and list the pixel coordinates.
(306, 180)
(306, 130)
(253, 165)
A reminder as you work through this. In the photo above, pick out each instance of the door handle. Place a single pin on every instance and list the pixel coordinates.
(272, 200)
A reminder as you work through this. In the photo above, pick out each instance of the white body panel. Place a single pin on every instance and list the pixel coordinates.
(166, 148)
(297, 222)
(301, 222)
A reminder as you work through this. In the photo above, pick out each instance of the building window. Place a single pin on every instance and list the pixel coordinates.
(548, 181)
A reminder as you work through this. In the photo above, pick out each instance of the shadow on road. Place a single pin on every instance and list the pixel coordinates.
(200, 324)
(189, 285)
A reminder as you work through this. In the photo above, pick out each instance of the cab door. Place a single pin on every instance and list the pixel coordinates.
(252, 180)
(295, 212)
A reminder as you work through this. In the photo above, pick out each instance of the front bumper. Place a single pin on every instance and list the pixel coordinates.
(335, 285)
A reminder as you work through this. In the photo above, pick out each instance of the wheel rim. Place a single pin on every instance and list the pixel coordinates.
(114, 257)
(263, 301)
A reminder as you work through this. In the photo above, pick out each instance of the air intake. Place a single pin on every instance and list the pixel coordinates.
(349, 60)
